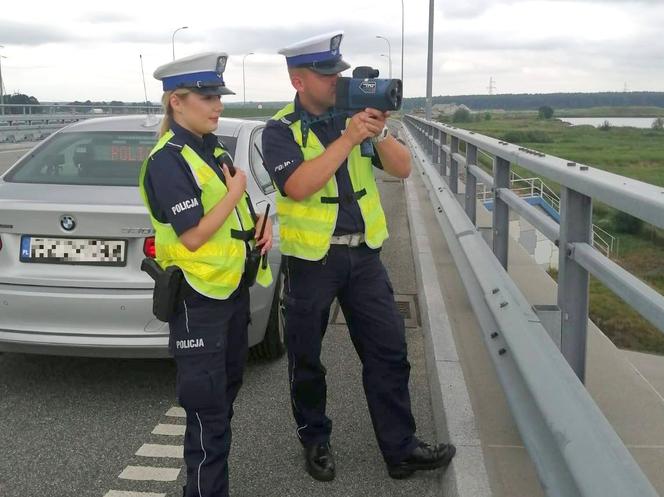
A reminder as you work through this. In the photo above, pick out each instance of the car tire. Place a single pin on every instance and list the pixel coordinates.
(273, 346)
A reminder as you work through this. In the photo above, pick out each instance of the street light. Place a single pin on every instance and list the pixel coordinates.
(402, 9)
(173, 38)
(2, 85)
(388, 58)
(430, 61)
(389, 52)
(244, 90)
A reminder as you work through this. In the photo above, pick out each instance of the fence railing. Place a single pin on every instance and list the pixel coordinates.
(574, 448)
(27, 122)
(535, 187)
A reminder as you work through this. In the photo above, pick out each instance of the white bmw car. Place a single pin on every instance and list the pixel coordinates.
(73, 233)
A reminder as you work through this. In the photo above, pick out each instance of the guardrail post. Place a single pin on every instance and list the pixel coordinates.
(454, 166)
(435, 147)
(432, 141)
(471, 184)
(573, 280)
(501, 211)
(443, 154)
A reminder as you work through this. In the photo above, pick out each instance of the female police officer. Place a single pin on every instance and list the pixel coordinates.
(204, 224)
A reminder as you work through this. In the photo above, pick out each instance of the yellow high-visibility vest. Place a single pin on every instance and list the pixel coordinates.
(216, 268)
(306, 226)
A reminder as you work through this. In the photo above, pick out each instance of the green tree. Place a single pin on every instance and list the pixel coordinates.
(22, 99)
(545, 112)
(487, 116)
(461, 115)
(658, 123)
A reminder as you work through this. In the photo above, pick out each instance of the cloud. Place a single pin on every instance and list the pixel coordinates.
(17, 33)
(105, 17)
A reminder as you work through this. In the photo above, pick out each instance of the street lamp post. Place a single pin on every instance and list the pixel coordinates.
(2, 86)
(430, 61)
(402, 12)
(388, 61)
(173, 38)
(389, 52)
(244, 88)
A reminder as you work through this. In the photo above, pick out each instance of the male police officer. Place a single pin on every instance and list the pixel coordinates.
(332, 227)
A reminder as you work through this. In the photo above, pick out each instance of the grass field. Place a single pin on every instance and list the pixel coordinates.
(631, 152)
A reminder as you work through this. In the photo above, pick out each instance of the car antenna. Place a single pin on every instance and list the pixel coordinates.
(149, 122)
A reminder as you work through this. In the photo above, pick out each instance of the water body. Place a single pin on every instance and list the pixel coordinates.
(635, 122)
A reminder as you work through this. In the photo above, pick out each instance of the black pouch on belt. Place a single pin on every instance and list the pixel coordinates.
(170, 288)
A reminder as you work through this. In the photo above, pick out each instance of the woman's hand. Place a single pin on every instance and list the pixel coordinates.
(264, 243)
(236, 184)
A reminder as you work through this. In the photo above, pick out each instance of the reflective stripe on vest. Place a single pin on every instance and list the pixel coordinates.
(306, 226)
(214, 269)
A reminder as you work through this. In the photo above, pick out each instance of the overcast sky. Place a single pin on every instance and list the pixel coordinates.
(69, 50)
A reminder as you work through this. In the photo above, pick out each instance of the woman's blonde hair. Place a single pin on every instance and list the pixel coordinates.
(168, 110)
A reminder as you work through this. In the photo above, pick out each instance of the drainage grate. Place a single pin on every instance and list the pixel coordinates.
(406, 305)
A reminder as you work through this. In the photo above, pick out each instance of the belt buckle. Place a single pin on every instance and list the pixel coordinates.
(355, 240)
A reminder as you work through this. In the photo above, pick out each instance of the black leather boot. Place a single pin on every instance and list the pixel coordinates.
(320, 461)
(423, 457)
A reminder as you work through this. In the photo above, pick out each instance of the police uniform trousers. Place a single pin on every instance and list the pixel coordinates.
(357, 277)
(208, 339)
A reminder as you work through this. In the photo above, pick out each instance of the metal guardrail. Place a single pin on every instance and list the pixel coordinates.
(574, 448)
(19, 122)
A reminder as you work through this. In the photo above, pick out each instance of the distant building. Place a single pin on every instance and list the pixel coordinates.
(447, 109)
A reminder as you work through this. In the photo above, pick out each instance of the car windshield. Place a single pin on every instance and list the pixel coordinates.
(110, 158)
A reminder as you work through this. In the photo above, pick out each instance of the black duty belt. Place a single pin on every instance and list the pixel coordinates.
(344, 199)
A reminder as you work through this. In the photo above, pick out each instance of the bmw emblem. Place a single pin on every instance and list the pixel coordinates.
(67, 222)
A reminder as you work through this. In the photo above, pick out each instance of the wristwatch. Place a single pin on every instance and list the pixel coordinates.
(383, 134)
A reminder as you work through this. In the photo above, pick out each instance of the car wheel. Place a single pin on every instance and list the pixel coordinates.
(272, 346)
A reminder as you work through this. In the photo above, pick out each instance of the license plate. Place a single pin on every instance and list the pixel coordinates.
(96, 252)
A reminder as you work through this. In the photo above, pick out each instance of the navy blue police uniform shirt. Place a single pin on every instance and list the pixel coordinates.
(172, 191)
(283, 156)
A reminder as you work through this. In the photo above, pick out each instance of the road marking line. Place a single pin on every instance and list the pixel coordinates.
(120, 493)
(14, 150)
(149, 473)
(158, 450)
(168, 429)
(176, 412)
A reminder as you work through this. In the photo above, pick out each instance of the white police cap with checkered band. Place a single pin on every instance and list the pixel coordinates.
(319, 53)
(202, 73)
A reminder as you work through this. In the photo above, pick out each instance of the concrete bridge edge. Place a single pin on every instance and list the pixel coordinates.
(454, 418)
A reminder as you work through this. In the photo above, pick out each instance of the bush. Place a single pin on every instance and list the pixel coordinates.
(461, 116)
(545, 112)
(605, 126)
(527, 137)
(625, 223)
(487, 116)
(658, 123)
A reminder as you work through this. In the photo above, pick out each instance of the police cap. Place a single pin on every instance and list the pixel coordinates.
(202, 73)
(319, 53)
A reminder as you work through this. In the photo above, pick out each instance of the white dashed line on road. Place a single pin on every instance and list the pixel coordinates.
(157, 450)
(168, 429)
(176, 412)
(119, 493)
(149, 473)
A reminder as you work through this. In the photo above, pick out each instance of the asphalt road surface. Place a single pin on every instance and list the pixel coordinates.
(96, 427)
